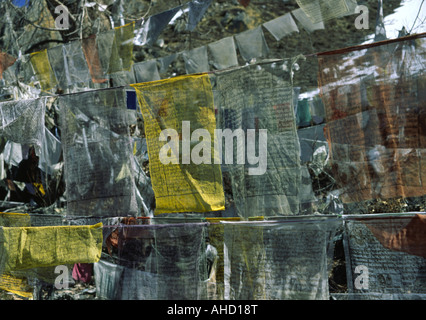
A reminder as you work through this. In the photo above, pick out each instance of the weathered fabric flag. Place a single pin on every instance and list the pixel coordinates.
(252, 44)
(281, 26)
(69, 65)
(122, 48)
(6, 60)
(105, 44)
(374, 98)
(98, 153)
(146, 71)
(385, 256)
(92, 55)
(322, 10)
(279, 260)
(163, 262)
(181, 108)
(35, 247)
(223, 53)
(304, 20)
(22, 121)
(255, 104)
(9, 281)
(197, 9)
(43, 70)
(196, 60)
(153, 26)
(216, 239)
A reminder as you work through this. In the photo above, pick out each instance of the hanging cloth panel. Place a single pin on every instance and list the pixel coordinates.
(58, 63)
(375, 110)
(77, 68)
(69, 65)
(385, 256)
(223, 53)
(259, 97)
(43, 70)
(278, 260)
(196, 60)
(16, 285)
(154, 26)
(166, 61)
(34, 247)
(216, 239)
(105, 44)
(6, 60)
(107, 279)
(281, 26)
(22, 122)
(197, 9)
(167, 105)
(97, 154)
(8, 281)
(322, 10)
(146, 71)
(92, 56)
(122, 48)
(171, 256)
(306, 22)
(252, 44)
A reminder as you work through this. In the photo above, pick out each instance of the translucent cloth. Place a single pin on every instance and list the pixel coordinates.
(322, 10)
(146, 71)
(278, 260)
(386, 256)
(166, 105)
(35, 247)
(122, 48)
(375, 111)
(153, 26)
(196, 60)
(107, 279)
(22, 121)
(223, 53)
(69, 65)
(304, 20)
(216, 239)
(104, 44)
(44, 220)
(93, 59)
(260, 97)
(97, 152)
(196, 8)
(166, 61)
(6, 60)
(252, 44)
(281, 26)
(164, 262)
(122, 78)
(43, 70)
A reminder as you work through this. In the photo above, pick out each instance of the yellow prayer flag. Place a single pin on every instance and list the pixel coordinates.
(43, 70)
(122, 48)
(180, 105)
(35, 247)
(16, 285)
